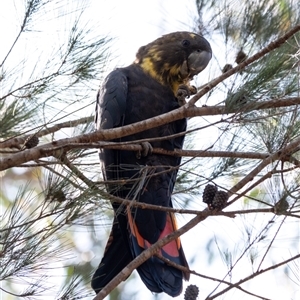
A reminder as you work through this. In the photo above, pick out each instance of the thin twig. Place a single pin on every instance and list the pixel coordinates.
(271, 242)
(253, 275)
(187, 270)
(15, 142)
(286, 151)
(272, 46)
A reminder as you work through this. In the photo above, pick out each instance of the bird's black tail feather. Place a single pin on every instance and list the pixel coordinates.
(157, 275)
(116, 257)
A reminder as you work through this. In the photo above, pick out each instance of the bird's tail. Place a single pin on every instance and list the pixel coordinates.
(158, 275)
(116, 257)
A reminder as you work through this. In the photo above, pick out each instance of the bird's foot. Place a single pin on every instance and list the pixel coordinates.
(185, 91)
(146, 150)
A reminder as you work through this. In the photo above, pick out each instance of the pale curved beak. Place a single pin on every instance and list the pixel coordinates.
(197, 62)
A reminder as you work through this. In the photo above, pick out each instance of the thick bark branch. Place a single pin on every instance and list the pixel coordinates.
(104, 135)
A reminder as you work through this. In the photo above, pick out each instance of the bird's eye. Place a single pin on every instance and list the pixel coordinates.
(185, 43)
(198, 50)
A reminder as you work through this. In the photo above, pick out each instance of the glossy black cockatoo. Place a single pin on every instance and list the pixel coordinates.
(145, 89)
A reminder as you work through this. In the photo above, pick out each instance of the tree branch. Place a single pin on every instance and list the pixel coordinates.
(109, 134)
(272, 46)
(187, 270)
(281, 153)
(15, 142)
(253, 275)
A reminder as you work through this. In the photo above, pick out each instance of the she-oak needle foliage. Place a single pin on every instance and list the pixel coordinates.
(244, 140)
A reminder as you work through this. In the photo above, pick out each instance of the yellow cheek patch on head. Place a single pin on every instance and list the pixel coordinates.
(175, 80)
(148, 62)
(175, 70)
(192, 35)
(166, 66)
(147, 66)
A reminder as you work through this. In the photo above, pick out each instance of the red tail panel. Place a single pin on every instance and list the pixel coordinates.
(171, 248)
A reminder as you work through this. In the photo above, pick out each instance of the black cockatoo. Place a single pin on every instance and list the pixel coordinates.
(147, 88)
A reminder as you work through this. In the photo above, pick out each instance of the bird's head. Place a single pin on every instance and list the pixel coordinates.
(175, 58)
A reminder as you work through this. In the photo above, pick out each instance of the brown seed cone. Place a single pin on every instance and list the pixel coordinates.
(240, 57)
(58, 196)
(226, 68)
(191, 292)
(220, 200)
(31, 142)
(209, 193)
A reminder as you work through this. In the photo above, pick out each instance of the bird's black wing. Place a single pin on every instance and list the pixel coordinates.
(110, 110)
